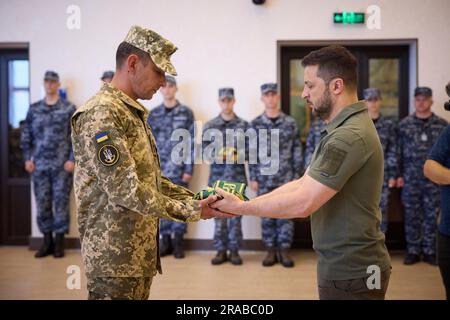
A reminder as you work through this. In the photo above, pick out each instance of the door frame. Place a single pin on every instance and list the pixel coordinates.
(8, 51)
(413, 68)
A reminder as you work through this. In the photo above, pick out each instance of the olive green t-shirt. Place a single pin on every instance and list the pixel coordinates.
(346, 230)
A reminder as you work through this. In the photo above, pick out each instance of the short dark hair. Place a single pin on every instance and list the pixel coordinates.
(125, 50)
(334, 62)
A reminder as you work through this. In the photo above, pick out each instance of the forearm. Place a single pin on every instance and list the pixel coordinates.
(279, 205)
(285, 188)
(436, 172)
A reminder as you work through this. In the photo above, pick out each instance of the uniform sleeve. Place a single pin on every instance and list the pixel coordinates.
(26, 138)
(441, 149)
(175, 191)
(340, 158)
(117, 174)
(189, 166)
(391, 153)
(297, 163)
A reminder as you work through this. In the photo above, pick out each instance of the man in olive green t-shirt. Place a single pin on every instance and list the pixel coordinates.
(342, 187)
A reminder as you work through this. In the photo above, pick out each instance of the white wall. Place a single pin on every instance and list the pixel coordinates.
(221, 43)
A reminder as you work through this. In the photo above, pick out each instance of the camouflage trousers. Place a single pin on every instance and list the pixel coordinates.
(277, 232)
(384, 207)
(227, 234)
(52, 191)
(421, 203)
(115, 288)
(167, 227)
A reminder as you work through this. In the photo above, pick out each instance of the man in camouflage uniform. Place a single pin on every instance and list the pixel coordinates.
(226, 163)
(313, 140)
(388, 137)
(171, 115)
(277, 234)
(47, 151)
(119, 188)
(420, 197)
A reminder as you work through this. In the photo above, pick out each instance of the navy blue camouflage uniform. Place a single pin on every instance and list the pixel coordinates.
(313, 140)
(46, 140)
(227, 232)
(278, 232)
(164, 121)
(387, 133)
(420, 196)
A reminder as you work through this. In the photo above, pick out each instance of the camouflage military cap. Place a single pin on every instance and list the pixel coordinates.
(269, 87)
(158, 48)
(226, 93)
(107, 74)
(171, 79)
(51, 75)
(426, 91)
(371, 93)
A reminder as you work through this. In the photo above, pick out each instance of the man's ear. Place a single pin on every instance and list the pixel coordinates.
(336, 86)
(131, 63)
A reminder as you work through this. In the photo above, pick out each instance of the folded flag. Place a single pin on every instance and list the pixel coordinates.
(236, 188)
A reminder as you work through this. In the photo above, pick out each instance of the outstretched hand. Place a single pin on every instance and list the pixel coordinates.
(208, 212)
(229, 202)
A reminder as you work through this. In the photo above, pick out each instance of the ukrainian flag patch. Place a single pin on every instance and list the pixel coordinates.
(101, 137)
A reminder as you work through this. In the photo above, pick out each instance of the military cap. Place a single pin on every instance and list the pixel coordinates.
(269, 87)
(171, 79)
(159, 48)
(371, 93)
(226, 93)
(426, 91)
(51, 75)
(107, 74)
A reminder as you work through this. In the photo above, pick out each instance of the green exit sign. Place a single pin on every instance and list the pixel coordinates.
(349, 17)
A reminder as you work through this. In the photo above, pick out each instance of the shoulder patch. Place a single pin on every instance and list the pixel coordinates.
(108, 155)
(331, 161)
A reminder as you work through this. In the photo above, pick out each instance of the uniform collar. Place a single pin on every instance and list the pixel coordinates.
(56, 105)
(422, 119)
(345, 114)
(123, 97)
(269, 120)
(174, 107)
(222, 120)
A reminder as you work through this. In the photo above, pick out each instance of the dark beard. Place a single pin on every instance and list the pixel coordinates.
(324, 106)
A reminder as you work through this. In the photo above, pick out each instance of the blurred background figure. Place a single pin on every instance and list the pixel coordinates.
(387, 132)
(225, 165)
(164, 120)
(417, 133)
(47, 151)
(277, 234)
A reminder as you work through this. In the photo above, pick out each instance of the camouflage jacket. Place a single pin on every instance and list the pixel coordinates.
(415, 139)
(120, 192)
(46, 134)
(163, 124)
(289, 148)
(221, 169)
(388, 137)
(313, 140)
